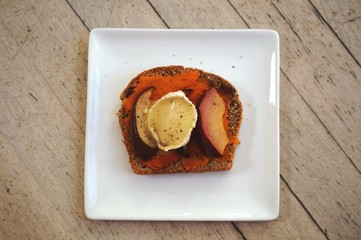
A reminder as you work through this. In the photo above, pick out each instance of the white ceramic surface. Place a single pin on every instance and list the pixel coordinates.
(249, 59)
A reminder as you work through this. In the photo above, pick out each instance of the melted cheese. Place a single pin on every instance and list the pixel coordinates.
(171, 120)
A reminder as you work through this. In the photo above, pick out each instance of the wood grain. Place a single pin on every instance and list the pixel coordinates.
(117, 14)
(43, 65)
(310, 169)
(345, 21)
(198, 14)
(43, 109)
(17, 21)
(293, 222)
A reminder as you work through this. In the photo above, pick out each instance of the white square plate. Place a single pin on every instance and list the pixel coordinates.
(249, 59)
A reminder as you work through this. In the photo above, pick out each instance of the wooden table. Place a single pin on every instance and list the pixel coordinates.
(43, 67)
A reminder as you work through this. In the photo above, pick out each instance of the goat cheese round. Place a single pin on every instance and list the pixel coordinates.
(171, 120)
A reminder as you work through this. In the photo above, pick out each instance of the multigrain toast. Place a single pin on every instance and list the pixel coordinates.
(176, 77)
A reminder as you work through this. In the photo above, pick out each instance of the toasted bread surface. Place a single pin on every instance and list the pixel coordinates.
(234, 110)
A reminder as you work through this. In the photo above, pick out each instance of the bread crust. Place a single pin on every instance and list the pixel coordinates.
(234, 108)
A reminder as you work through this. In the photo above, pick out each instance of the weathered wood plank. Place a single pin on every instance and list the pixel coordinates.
(345, 21)
(292, 223)
(198, 14)
(117, 14)
(28, 211)
(17, 20)
(315, 169)
(43, 107)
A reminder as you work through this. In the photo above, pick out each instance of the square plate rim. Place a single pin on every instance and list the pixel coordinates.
(277, 106)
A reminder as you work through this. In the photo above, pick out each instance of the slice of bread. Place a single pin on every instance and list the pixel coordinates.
(233, 118)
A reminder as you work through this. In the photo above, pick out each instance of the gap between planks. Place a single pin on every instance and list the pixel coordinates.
(158, 14)
(239, 230)
(322, 19)
(27, 37)
(76, 13)
(328, 132)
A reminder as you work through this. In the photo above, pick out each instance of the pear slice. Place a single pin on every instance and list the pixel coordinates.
(143, 143)
(211, 132)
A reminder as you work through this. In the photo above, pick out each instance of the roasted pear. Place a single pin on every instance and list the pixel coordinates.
(143, 143)
(211, 132)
